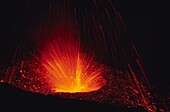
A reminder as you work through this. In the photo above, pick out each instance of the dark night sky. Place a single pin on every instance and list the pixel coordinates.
(147, 20)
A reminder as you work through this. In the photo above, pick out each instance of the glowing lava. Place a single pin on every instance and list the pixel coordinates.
(67, 70)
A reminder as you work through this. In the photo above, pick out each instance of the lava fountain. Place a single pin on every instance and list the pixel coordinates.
(66, 63)
(69, 70)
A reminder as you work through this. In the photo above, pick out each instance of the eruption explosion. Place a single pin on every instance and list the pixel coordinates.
(68, 70)
(65, 64)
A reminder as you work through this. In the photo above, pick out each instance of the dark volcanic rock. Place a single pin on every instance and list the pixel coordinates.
(16, 100)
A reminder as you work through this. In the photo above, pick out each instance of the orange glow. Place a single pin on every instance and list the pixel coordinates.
(68, 70)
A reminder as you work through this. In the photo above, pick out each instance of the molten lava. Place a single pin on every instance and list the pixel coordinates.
(67, 70)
